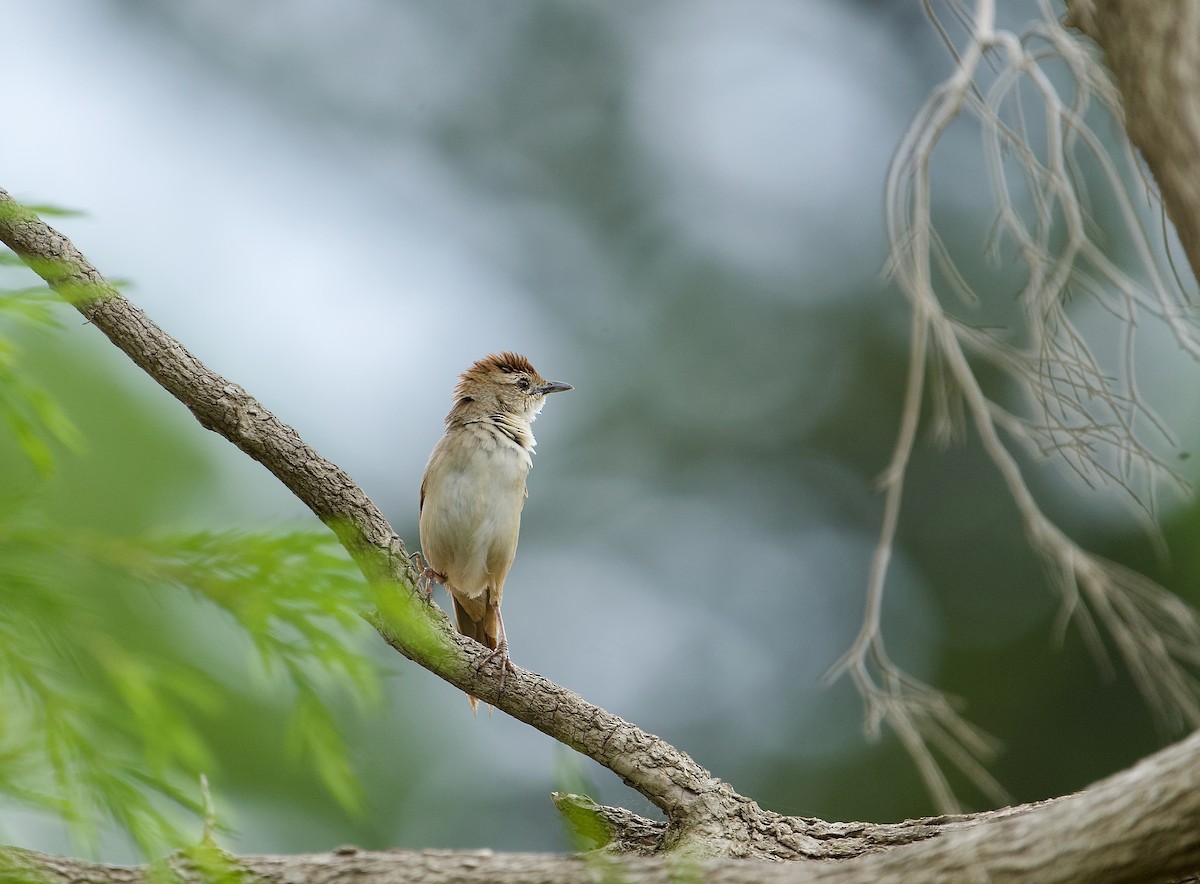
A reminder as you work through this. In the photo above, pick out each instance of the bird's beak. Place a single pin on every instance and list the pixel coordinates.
(554, 387)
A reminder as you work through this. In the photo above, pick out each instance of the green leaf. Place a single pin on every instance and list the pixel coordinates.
(55, 211)
(313, 735)
(98, 724)
(35, 419)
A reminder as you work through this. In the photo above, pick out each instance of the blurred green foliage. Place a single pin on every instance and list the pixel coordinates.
(33, 416)
(116, 672)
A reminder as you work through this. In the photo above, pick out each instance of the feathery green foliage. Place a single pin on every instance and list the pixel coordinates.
(120, 655)
(100, 725)
(32, 415)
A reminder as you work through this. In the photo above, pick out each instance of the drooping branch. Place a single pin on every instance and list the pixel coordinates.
(1061, 400)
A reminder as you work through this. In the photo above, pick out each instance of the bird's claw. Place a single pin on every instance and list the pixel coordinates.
(506, 664)
(426, 576)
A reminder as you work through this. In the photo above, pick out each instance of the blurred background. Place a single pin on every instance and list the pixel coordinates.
(673, 205)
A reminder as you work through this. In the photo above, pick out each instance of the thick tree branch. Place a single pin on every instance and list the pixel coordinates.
(1153, 50)
(1111, 832)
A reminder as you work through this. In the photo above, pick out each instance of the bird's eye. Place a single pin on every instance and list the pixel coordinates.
(523, 383)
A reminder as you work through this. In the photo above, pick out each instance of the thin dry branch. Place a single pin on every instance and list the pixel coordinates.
(1094, 421)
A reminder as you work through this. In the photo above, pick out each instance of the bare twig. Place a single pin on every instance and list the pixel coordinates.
(1091, 420)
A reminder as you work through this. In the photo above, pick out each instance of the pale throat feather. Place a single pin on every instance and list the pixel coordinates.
(504, 428)
(515, 429)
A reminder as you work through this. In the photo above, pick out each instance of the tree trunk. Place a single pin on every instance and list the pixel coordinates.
(1152, 48)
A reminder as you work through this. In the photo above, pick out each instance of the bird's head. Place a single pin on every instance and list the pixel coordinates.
(504, 383)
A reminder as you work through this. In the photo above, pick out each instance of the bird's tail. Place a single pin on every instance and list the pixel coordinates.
(485, 629)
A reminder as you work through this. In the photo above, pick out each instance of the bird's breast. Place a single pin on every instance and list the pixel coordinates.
(471, 514)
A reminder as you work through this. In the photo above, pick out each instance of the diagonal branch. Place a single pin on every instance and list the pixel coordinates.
(1040, 155)
(218, 404)
(688, 794)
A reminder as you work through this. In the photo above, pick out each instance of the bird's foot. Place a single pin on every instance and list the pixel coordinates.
(501, 654)
(426, 576)
(429, 578)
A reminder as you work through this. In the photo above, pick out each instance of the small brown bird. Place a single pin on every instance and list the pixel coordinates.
(474, 490)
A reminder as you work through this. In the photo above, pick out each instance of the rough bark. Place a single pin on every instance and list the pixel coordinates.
(1152, 48)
